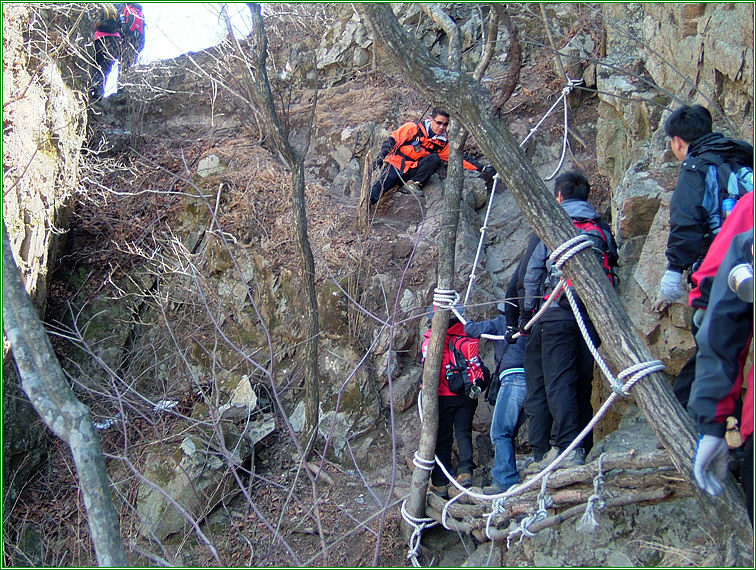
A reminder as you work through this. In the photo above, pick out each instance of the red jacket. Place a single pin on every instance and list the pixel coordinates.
(724, 341)
(739, 220)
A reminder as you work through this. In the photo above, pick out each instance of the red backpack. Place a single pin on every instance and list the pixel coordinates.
(604, 247)
(465, 367)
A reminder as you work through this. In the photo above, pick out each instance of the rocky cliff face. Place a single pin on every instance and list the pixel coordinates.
(204, 276)
(44, 123)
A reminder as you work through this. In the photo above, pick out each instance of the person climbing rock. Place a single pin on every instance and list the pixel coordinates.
(695, 211)
(724, 343)
(558, 362)
(455, 410)
(119, 36)
(507, 390)
(413, 152)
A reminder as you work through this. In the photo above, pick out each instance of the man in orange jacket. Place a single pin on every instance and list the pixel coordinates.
(413, 152)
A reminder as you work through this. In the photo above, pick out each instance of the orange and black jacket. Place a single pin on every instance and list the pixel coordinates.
(413, 141)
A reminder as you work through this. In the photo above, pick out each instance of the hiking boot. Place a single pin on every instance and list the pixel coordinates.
(521, 464)
(440, 490)
(492, 490)
(465, 480)
(413, 188)
(576, 457)
(545, 461)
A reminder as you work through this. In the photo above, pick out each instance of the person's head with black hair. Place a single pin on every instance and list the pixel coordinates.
(686, 125)
(439, 121)
(571, 185)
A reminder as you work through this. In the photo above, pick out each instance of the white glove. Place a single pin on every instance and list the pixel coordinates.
(710, 463)
(671, 285)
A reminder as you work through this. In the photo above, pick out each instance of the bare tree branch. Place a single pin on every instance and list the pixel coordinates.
(44, 383)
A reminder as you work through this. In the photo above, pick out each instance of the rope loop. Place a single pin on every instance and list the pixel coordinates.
(638, 371)
(418, 525)
(588, 522)
(569, 248)
(445, 298)
(424, 464)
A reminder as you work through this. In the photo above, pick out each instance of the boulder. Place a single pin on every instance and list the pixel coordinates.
(194, 475)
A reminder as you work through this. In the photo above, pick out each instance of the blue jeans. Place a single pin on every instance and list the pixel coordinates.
(508, 405)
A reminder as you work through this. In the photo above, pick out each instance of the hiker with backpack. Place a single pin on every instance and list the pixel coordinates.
(412, 153)
(558, 363)
(507, 389)
(461, 378)
(716, 171)
(724, 342)
(119, 35)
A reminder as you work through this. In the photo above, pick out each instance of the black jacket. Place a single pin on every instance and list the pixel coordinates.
(694, 216)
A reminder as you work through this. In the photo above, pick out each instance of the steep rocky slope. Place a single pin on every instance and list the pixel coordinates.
(205, 308)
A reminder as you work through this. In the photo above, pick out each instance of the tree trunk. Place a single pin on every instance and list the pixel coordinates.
(263, 98)
(43, 381)
(467, 100)
(446, 258)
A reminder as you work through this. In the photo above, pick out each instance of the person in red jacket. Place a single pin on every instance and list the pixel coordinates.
(413, 152)
(739, 220)
(724, 341)
(455, 417)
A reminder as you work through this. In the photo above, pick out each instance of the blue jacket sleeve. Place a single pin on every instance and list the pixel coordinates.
(497, 326)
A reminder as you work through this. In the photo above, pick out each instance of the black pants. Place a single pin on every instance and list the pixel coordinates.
(455, 416)
(391, 177)
(558, 376)
(107, 50)
(536, 407)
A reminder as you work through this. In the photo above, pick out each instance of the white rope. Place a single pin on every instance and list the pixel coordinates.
(482, 238)
(418, 525)
(588, 522)
(445, 510)
(566, 91)
(422, 463)
(544, 503)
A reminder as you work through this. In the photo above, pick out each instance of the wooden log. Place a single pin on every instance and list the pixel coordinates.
(647, 496)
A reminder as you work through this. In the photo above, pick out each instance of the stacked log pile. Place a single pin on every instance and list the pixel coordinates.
(626, 478)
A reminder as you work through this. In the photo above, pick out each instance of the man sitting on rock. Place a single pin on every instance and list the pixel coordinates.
(412, 153)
